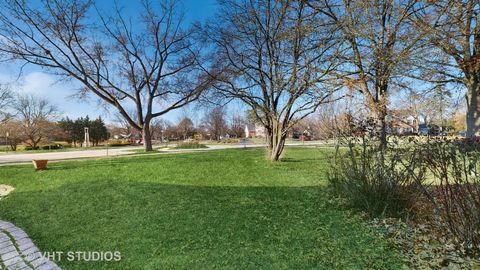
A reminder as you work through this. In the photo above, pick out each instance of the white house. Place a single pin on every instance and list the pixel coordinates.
(254, 131)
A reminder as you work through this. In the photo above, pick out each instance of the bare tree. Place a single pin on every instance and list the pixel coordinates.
(215, 122)
(170, 131)
(15, 133)
(429, 107)
(453, 29)
(157, 128)
(276, 58)
(380, 43)
(146, 65)
(457, 122)
(34, 115)
(327, 122)
(185, 128)
(5, 99)
(237, 125)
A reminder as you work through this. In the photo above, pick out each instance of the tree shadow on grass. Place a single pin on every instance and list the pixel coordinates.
(122, 160)
(157, 226)
(296, 160)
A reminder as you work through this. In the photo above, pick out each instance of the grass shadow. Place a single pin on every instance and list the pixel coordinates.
(176, 226)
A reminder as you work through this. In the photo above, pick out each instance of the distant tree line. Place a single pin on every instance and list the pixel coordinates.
(75, 130)
(32, 121)
(216, 124)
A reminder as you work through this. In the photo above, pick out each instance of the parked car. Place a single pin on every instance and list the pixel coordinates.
(423, 132)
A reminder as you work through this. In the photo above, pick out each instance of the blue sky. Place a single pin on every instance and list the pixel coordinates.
(39, 82)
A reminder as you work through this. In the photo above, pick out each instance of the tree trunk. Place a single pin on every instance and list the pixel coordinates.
(13, 146)
(473, 112)
(34, 144)
(275, 144)
(383, 131)
(147, 137)
(381, 120)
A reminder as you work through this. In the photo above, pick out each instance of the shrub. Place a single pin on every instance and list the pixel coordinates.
(380, 182)
(63, 144)
(118, 143)
(190, 145)
(456, 195)
(50, 146)
(236, 141)
(393, 182)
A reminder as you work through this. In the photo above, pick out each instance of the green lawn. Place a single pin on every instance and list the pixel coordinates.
(218, 209)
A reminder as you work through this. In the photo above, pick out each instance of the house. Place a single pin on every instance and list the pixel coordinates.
(254, 131)
(401, 122)
(229, 136)
(301, 134)
(402, 126)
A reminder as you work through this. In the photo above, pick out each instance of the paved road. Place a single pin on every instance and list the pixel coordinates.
(84, 154)
(21, 158)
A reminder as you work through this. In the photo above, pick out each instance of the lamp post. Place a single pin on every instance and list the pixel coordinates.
(6, 140)
(162, 138)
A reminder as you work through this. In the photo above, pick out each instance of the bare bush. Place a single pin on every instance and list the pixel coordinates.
(456, 195)
(437, 180)
(379, 181)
